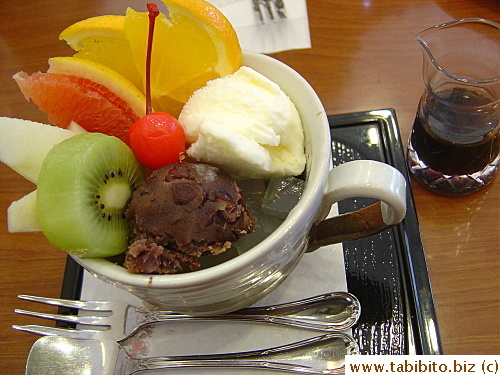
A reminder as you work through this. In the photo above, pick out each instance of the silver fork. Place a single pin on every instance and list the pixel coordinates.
(278, 5)
(327, 312)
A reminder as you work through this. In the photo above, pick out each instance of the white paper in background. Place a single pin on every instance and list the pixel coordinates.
(272, 36)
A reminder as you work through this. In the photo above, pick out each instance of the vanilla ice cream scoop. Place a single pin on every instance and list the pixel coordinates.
(245, 124)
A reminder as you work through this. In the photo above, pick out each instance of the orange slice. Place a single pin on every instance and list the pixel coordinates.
(102, 39)
(194, 45)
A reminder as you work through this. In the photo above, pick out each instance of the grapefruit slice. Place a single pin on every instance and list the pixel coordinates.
(90, 94)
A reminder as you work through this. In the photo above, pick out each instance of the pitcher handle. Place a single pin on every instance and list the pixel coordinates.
(355, 179)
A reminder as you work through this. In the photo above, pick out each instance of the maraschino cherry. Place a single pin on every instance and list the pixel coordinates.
(157, 139)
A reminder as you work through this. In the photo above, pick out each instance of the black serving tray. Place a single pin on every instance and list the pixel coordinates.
(388, 271)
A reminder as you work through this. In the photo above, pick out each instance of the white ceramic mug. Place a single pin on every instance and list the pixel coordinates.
(244, 280)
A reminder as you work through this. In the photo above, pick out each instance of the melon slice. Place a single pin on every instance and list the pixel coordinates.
(73, 126)
(21, 215)
(24, 144)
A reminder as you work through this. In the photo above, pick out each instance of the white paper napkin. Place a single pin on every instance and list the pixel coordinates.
(272, 36)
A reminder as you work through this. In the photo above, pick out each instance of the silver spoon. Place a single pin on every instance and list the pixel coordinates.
(55, 355)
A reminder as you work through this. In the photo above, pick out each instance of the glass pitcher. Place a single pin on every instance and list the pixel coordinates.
(454, 144)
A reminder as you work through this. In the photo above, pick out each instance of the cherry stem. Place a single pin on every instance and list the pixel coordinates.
(153, 13)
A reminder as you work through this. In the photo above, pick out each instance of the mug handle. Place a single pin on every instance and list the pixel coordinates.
(354, 179)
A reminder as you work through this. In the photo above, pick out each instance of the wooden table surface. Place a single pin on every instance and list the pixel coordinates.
(363, 57)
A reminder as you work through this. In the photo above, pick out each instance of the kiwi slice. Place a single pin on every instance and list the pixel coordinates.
(84, 186)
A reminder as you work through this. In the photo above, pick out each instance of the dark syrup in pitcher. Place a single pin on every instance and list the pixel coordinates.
(449, 143)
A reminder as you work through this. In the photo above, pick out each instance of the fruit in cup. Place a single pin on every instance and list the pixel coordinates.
(23, 147)
(24, 144)
(102, 39)
(157, 139)
(91, 94)
(84, 186)
(194, 45)
(85, 69)
(59, 206)
(110, 202)
(21, 215)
